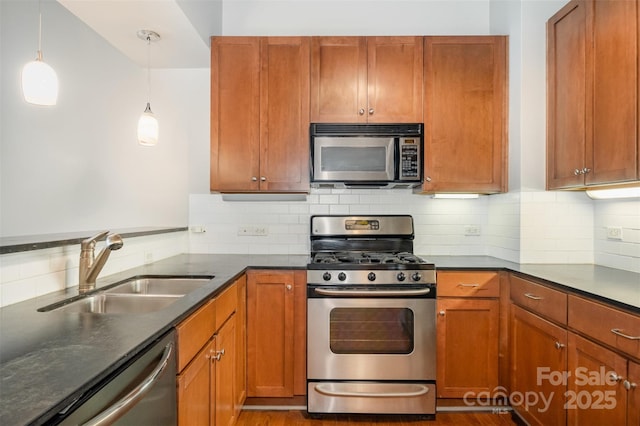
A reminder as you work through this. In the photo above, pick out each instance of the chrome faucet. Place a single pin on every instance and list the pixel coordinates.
(91, 266)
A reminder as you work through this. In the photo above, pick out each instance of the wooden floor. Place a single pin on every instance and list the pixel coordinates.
(299, 418)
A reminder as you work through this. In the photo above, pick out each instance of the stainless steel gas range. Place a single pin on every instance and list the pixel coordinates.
(370, 318)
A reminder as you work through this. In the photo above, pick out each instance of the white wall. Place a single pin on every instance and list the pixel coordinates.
(77, 165)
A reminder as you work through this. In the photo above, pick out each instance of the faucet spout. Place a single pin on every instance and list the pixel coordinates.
(90, 266)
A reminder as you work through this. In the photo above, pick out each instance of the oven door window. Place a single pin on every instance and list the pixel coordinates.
(371, 330)
(356, 158)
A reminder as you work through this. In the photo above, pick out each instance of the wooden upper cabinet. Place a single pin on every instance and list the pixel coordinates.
(592, 94)
(566, 96)
(465, 114)
(259, 114)
(235, 112)
(366, 79)
(612, 152)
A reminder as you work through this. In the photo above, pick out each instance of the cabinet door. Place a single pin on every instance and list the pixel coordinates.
(284, 114)
(465, 114)
(567, 89)
(194, 390)
(225, 349)
(467, 346)
(611, 151)
(633, 409)
(537, 344)
(338, 79)
(235, 113)
(241, 344)
(594, 397)
(270, 333)
(394, 79)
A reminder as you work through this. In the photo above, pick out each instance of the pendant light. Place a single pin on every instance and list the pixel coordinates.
(148, 124)
(39, 80)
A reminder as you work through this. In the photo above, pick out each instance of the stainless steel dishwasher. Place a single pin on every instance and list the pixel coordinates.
(143, 393)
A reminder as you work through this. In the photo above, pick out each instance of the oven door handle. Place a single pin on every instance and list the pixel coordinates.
(372, 293)
(420, 390)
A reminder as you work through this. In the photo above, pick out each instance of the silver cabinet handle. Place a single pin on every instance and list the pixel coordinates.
(254, 179)
(288, 287)
(629, 385)
(428, 178)
(371, 111)
(585, 170)
(361, 111)
(619, 332)
(468, 285)
(558, 345)
(613, 376)
(218, 355)
(533, 296)
(577, 172)
(441, 313)
(262, 178)
(127, 402)
(420, 390)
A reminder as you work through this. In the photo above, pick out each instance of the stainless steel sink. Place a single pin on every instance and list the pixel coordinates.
(105, 303)
(133, 296)
(160, 285)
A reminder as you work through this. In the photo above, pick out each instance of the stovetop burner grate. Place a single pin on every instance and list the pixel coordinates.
(364, 258)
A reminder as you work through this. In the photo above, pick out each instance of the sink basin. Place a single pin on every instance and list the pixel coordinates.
(160, 285)
(105, 303)
(134, 296)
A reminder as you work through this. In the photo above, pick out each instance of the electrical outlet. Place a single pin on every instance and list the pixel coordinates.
(472, 230)
(199, 229)
(614, 232)
(255, 231)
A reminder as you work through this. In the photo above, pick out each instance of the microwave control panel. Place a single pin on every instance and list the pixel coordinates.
(410, 158)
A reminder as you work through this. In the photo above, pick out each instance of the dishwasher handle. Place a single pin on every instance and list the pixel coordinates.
(127, 402)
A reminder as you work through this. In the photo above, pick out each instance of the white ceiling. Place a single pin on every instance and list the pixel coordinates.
(184, 27)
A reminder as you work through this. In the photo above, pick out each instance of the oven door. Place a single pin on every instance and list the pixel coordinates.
(371, 338)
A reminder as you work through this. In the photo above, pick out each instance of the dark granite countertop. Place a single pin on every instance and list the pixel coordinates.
(48, 359)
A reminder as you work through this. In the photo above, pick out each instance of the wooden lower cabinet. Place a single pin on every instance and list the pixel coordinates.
(467, 347)
(538, 353)
(225, 372)
(596, 395)
(241, 345)
(194, 385)
(207, 384)
(276, 333)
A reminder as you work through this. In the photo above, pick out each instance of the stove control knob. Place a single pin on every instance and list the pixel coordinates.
(371, 276)
(416, 276)
(342, 276)
(401, 276)
(326, 276)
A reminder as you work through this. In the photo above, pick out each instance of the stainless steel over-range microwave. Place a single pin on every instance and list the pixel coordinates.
(366, 155)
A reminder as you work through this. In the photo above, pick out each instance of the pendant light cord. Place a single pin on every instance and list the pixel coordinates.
(39, 30)
(148, 69)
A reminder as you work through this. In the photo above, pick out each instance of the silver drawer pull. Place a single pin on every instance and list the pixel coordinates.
(619, 332)
(127, 402)
(420, 390)
(468, 285)
(533, 296)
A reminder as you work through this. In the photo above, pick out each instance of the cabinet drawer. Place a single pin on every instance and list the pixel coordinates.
(539, 299)
(468, 284)
(226, 304)
(611, 326)
(194, 332)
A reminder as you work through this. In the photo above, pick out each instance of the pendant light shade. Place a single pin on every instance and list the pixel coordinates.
(148, 129)
(39, 80)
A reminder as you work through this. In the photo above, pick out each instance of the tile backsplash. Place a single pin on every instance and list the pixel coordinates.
(525, 227)
(29, 274)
